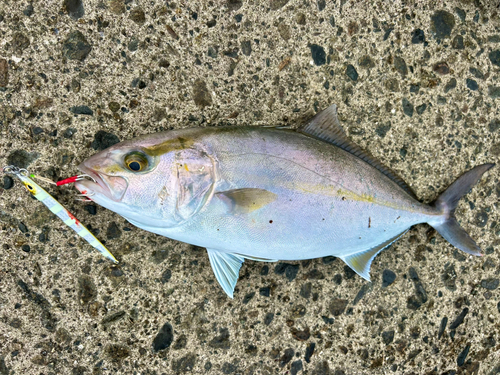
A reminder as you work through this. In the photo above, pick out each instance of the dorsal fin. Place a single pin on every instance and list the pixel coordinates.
(326, 127)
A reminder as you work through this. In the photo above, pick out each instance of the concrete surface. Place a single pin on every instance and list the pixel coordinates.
(416, 82)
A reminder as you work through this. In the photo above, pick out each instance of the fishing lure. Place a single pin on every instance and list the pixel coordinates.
(56, 208)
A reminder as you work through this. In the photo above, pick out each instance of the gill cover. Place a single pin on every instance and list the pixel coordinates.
(196, 176)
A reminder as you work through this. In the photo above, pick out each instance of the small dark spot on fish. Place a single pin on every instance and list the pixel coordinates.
(323, 219)
(343, 198)
(369, 222)
(217, 228)
(270, 221)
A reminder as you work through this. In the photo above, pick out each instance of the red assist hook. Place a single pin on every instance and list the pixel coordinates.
(70, 180)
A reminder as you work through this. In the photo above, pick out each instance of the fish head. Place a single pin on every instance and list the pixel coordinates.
(155, 181)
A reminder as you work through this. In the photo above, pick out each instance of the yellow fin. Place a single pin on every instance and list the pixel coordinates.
(242, 201)
(360, 262)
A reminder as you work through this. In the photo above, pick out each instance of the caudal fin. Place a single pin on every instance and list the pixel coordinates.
(448, 201)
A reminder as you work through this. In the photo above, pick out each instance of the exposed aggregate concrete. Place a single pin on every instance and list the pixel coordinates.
(416, 82)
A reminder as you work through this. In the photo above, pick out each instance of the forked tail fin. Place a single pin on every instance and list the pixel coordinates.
(448, 201)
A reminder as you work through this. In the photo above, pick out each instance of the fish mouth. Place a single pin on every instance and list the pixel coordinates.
(98, 185)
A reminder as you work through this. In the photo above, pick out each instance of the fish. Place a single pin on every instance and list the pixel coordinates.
(268, 194)
(58, 209)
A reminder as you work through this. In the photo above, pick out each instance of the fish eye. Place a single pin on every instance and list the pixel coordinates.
(136, 162)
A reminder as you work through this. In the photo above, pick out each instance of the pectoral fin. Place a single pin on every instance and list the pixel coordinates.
(241, 201)
(226, 268)
(361, 262)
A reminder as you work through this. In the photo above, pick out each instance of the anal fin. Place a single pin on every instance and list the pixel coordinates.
(360, 262)
(226, 269)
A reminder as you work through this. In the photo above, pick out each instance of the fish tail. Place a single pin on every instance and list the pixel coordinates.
(447, 202)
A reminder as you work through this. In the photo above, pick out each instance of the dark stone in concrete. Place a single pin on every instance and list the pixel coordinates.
(76, 46)
(388, 277)
(87, 290)
(74, 8)
(417, 36)
(21, 158)
(387, 337)
(494, 57)
(8, 182)
(184, 364)
(490, 284)
(221, 341)
(407, 107)
(20, 42)
(286, 357)
(459, 319)
(265, 292)
(113, 232)
(463, 355)
(442, 327)
(82, 110)
(29, 10)
(290, 270)
(471, 84)
(452, 83)
(494, 125)
(201, 95)
(442, 23)
(421, 108)
(233, 5)
(321, 5)
(458, 42)
(400, 65)
(137, 15)
(351, 72)
(246, 47)
(337, 306)
(268, 318)
(166, 276)
(4, 73)
(305, 290)
(164, 338)
(318, 54)
(117, 352)
(91, 209)
(248, 297)
(103, 140)
(366, 62)
(481, 219)
(494, 92)
(296, 367)
(449, 277)
(441, 68)
(476, 73)
(309, 352)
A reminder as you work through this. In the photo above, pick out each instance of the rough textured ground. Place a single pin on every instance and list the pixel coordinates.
(416, 82)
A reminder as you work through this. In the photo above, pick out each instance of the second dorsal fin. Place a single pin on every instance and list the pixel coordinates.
(326, 127)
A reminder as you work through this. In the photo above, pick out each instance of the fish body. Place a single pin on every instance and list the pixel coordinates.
(266, 194)
(58, 209)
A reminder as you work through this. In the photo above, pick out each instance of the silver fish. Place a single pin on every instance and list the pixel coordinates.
(268, 194)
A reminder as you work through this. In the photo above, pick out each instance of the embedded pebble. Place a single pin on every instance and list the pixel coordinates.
(442, 23)
(76, 46)
(103, 140)
(318, 54)
(74, 8)
(164, 338)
